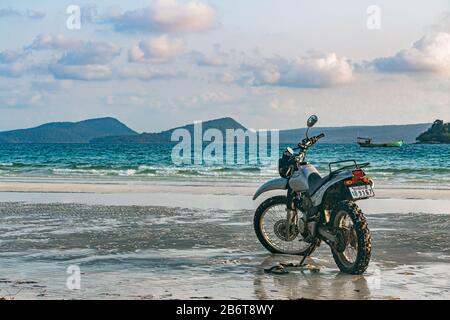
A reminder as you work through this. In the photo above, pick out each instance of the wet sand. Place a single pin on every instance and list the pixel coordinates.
(192, 246)
(219, 188)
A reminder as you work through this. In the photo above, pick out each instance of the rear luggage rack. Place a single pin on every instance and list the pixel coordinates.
(352, 166)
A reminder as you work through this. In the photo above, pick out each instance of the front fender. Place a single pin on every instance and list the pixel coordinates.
(274, 184)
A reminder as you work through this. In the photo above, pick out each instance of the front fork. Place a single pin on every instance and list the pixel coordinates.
(291, 212)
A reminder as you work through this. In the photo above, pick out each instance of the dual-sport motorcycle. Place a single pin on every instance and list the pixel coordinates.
(316, 209)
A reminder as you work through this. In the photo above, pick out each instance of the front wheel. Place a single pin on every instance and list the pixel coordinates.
(352, 254)
(273, 231)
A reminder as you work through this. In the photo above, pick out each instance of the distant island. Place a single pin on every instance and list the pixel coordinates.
(111, 131)
(67, 132)
(438, 133)
(346, 134)
(165, 136)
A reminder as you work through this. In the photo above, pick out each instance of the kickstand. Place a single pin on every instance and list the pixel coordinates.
(295, 265)
(301, 264)
(280, 268)
(303, 259)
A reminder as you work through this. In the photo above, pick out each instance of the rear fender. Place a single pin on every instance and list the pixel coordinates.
(317, 197)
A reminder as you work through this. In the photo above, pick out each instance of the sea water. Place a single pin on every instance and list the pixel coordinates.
(412, 165)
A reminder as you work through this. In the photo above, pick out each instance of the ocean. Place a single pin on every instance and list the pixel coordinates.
(413, 165)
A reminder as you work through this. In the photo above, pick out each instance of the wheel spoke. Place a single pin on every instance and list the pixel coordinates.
(350, 252)
(273, 225)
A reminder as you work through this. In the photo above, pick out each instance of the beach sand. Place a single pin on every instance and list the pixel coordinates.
(175, 241)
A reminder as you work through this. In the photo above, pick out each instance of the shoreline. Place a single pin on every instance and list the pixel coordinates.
(196, 188)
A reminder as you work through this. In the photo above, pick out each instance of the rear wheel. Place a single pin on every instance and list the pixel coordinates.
(352, 253)
(273, 231)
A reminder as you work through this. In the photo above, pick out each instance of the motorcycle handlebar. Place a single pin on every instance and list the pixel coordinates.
(306, 143)
(320, 136)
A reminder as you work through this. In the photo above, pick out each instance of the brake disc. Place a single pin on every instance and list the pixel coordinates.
(280, 229)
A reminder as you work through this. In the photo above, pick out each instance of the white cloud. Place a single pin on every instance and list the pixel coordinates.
(133, 99)
(285, 104)
(59, 42)
(90, 72)
(97, 52)
(202, 59)
(147, 74)
(156, 50)
(430, 54)
(303, 72)
(14, 70)
(11, 56)
(29, 13)
(227, 77)
(18, 99)
(80, 60)
(208, 98)
(50, 85)
(163, 16)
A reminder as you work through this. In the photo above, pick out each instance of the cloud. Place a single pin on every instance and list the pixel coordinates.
(58, 42)
(430, 54)
(156, 50)
(227, 77)
(29, 13)
(163, 16)
(90, 72)
(91, 53)
(316, 71)
(208, 98)
(203, 60)
(18, 99)
(443, 25)
(80, 60)
(50, 85)
(14, 70)
(147, 74)
(11, 56)
(89, 13)
(287, 104)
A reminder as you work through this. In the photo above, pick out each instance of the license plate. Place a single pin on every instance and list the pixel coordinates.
(360, 192)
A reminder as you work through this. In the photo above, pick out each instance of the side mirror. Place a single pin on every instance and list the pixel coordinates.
(312, 120)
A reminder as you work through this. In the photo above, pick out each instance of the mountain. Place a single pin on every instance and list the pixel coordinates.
(347, 134)
(112, 131)
(67, 132)
(407, 132)
(438, 133)
(165, 136)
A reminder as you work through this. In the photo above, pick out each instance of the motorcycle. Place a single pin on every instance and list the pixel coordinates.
(316, 208)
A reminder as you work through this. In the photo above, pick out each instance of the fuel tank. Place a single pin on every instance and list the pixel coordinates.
(299, 179)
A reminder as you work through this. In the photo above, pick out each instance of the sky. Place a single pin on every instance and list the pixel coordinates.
(268, 64)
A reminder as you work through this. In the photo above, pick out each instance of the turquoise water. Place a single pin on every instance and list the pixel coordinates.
(412, 165)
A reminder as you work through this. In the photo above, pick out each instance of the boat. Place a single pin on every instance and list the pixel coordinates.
(367, 143)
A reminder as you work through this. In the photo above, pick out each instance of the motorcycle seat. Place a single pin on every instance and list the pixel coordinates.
(315, 181)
